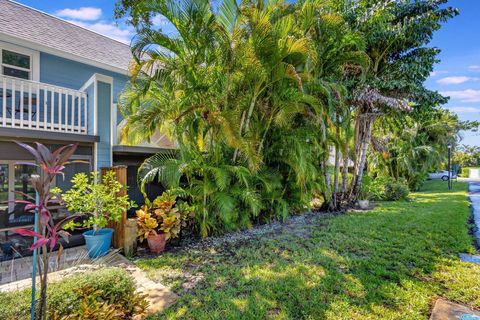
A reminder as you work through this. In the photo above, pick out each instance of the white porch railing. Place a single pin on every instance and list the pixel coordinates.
(33, 105)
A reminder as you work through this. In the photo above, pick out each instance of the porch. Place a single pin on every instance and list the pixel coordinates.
(32, 105)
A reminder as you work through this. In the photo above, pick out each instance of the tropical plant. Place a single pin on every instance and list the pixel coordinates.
(396, 190)
(411, 148)
(364, 193)
(147, 224)
(49, 232)
(467, 156)
(106, 293)
(163, 215)
(96, 199)
(397, 34)
(223, 197)
(340, 57)
(229, 96)
(258, 95)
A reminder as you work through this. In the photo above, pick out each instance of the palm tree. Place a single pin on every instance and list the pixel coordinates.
(339, 56)
(411, 148)
(225, 97)
(258, 93)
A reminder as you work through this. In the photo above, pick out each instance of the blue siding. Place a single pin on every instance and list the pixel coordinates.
(71, 74)
(104, 125)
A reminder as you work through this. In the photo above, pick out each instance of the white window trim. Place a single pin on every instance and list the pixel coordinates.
(114, 133)
(11, 175)
(34, 59)
(11, 181)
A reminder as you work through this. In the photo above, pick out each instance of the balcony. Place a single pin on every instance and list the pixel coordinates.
(33, 105)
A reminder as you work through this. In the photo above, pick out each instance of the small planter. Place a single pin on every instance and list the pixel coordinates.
(156, 244)
(98, 242)
(364, 204)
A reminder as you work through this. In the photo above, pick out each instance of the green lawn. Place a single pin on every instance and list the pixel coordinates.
(389, 263)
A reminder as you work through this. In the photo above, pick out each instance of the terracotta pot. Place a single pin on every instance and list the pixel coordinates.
(157, 243)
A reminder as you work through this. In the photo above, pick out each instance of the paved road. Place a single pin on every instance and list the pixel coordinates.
(474, 194)
(469, 179)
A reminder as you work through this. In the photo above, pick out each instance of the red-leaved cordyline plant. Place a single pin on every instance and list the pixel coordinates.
(51, 164)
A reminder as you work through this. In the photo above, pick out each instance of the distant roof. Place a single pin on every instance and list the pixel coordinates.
(44, 30)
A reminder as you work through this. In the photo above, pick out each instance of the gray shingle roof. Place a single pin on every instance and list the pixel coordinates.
(34, 26)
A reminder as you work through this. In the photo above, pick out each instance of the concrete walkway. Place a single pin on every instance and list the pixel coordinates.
(447, 310)
(20, 268)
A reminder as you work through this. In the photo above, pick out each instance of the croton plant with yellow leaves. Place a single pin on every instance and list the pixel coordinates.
(163, 215)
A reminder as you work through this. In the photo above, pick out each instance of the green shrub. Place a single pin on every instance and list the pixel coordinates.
(15, 306)
(101, 294)
(385, 188)
(396, 190)
(372, 189)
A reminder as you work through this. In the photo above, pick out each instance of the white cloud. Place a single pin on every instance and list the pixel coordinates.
(468, 95)
(455, 80)
(464, 109)
(437, 72)
(108, 29)
(83, 13)
(474, 68)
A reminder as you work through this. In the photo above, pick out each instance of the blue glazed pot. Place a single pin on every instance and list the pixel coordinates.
(98, 243)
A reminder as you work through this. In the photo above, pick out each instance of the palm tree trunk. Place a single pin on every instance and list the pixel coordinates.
(362, 143)
(260, 147)
(357, 147)
(242, 120)
(336, 177)
(250, 111)
(245, 122)
(325, 193)
(345, 172)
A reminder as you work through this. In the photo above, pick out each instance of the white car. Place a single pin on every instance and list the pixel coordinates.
(441, 175)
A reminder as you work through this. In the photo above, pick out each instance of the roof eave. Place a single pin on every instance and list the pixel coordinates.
(62, 54)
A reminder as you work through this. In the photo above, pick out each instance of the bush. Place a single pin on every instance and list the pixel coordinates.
(385, 188)
(396, 190)
(103, 294)
(372, 189)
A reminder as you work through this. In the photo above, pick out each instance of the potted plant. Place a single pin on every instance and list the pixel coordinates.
(161, 220)
(148, 229)
(364, 198)
(98, 203)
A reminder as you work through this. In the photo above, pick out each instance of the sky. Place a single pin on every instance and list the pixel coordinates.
(458, 73)
(456, 76)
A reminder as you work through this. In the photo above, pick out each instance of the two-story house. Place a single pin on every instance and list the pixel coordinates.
(59, 84)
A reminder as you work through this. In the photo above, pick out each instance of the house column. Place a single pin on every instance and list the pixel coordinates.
(99, 89)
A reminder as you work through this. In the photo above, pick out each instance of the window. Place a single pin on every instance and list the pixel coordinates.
(15, 64)
(19, 62)
(64, 181)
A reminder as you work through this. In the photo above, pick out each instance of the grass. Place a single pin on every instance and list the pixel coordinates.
(389, 263)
